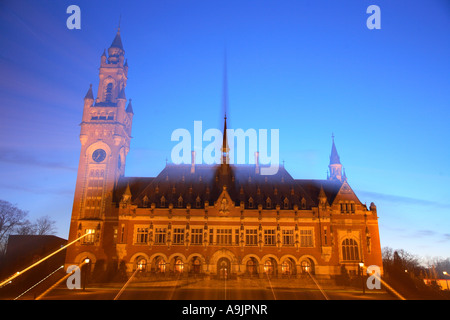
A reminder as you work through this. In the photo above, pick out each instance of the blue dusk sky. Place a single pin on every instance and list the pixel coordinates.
(309, 68)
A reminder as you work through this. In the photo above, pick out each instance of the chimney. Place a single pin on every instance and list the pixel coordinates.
(257, 162)
(193, 162)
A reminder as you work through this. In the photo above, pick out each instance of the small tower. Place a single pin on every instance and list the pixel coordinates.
(335, 165)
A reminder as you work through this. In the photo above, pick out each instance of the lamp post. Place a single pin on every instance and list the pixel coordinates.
(361, 268)
(446, 280)
(86, 270)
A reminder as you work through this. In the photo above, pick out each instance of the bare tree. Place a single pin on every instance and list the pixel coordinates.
(11, 218)
(45, 226)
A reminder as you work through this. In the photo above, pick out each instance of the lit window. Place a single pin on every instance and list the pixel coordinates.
(179, 266)
(90, 238)
(141, 263)
(160, 265)
(306, 266)
(268, 267)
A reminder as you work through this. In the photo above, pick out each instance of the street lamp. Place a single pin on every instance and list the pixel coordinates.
(446, 280)
(86, 262)
(361, 267)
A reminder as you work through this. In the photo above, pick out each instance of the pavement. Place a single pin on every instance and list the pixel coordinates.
(202, 289)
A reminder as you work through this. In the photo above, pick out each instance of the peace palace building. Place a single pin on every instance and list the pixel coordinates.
(212, 220)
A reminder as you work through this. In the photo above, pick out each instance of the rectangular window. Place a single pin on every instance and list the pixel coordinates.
(160, 236)
(196, 236)
(141, 235)
(251, 237)
(178, 235)
(211, 236)
(122, 234)
(224, 236)
(236, 237)
(306, 238)
(288, 237)
(269, 237)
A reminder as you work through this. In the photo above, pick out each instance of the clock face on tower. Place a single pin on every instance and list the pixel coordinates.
(99, 155)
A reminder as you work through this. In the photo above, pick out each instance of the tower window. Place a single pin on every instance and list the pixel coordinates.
(108, 94)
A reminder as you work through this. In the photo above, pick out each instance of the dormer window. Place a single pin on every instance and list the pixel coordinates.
(286, 203)
(180, 201)
(250, 203)
(303, 203)
(163, 202)
(198, 202)
(268, 203)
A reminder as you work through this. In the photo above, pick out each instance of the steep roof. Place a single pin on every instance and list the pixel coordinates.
(206, 184)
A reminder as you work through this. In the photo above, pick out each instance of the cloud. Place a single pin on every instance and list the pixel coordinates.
(17, 157)
(400, 199)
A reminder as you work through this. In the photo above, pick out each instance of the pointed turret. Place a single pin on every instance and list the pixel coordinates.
(89, 94)
(129, 107)
(122, 94)
(322, 196)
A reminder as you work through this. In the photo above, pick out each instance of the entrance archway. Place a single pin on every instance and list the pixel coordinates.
(223, 268)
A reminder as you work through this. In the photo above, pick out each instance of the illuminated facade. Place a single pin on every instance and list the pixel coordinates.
(219, 220)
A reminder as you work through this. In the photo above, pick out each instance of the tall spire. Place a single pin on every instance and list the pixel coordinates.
(225, 84)
(334, 157)
(335, 163)
(225, 149)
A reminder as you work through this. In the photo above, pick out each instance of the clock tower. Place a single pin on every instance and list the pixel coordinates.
(105, 141)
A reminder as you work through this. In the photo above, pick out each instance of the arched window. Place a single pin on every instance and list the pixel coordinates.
(108, 93)
(252, 266)
(350, 251)
(306, 266)
(196, 265)
(141, 263)
(160, 265)
(268, 267)
(179, 266)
